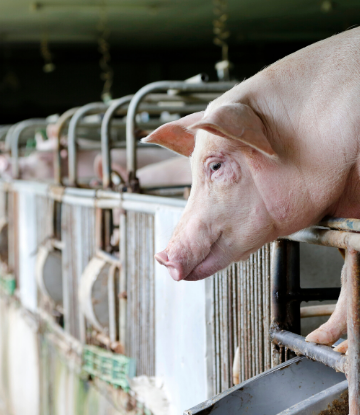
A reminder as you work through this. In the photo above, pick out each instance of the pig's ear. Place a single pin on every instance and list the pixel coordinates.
(239, 122)
(175, 135)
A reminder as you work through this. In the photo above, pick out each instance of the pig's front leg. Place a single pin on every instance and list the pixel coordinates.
(336, 326)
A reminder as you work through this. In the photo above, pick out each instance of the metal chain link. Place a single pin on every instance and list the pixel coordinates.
(221, 35)
(46, 54)
(107, 74)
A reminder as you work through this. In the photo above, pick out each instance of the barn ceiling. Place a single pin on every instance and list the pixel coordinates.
(173, 22)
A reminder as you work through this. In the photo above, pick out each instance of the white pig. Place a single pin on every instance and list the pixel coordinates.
(273, 155)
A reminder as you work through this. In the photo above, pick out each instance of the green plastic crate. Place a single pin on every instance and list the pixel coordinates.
(113, 368)
(8, 284)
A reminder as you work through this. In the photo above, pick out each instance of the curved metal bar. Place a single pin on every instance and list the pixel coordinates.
(3, 131)
(180, 86)
(13, 137)
(97, 107)
(60, 125)
(105, 138)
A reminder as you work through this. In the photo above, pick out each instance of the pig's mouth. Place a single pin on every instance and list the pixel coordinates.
(209, 265)
(213, 261)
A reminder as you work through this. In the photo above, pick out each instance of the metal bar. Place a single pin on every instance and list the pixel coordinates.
(336, 239)
(133, 107)
(317, 310)
(3, 131)
(278, 280)
(13, 137)
(341, 224)
(97, 107)
(60, 125)
(353, 324)
(318, 294)
(318, 352)
(105, 137)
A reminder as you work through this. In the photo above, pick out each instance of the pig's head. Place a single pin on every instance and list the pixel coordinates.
(226, 217)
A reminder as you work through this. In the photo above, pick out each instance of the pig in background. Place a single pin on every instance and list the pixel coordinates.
(157, 166)
(275, 154)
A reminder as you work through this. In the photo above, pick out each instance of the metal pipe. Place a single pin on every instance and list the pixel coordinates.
(341, 224)
(133, 107)
(336, 239)
(318, 352)
(318, 294)
(97, 107)
(317, 310)
(3, 131)
(353, 328)
(60, 125)
(13, 137)
(105, 138)
(285, 279)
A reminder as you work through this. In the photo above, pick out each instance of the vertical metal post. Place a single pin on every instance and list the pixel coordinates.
(353, 323)
(285, 287)
(122, 282)
(293, 287)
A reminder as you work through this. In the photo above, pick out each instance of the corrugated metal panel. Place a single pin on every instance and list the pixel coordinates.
(140, 342)
(241, 318)
(44, 217)
(78, 236)
(13, 235)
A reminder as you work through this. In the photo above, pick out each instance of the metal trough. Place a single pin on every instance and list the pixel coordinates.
(298, 386)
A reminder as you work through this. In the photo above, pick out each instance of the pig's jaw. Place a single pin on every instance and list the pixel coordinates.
(215, 259)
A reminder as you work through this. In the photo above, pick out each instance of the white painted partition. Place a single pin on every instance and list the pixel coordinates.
(180, 327)
(27, 250)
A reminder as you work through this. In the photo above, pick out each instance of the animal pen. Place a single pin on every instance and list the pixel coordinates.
(84, 322)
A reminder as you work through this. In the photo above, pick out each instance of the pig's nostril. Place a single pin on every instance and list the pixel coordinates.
(162, 258)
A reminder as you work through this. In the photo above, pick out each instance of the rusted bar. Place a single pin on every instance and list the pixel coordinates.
(318, 352)
(317, 310)
(353, 324)
(341, 224)
(325, 237)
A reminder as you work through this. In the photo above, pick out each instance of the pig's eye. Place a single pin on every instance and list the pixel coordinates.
(215, 166)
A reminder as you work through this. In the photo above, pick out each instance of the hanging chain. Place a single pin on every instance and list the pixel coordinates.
(46, 54)
(221, 35)
(107, 74)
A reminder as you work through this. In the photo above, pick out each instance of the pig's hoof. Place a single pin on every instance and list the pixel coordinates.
(342, 347)
(322, 335)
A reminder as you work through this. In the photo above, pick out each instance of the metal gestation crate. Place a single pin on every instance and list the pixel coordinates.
(287, 294)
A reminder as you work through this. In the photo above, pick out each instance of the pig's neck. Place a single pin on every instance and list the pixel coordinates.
(348, 205)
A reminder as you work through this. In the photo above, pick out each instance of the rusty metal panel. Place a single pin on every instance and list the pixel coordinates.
(140, 341)
(240, 320)
(78, 236)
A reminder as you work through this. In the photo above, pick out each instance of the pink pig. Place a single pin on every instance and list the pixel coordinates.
(273, 155)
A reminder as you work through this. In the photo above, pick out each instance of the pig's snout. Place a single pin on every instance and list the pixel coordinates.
(174, 268)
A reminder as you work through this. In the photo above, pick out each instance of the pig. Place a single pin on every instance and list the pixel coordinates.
(275, 154)
(173, 170)
(165, 174)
